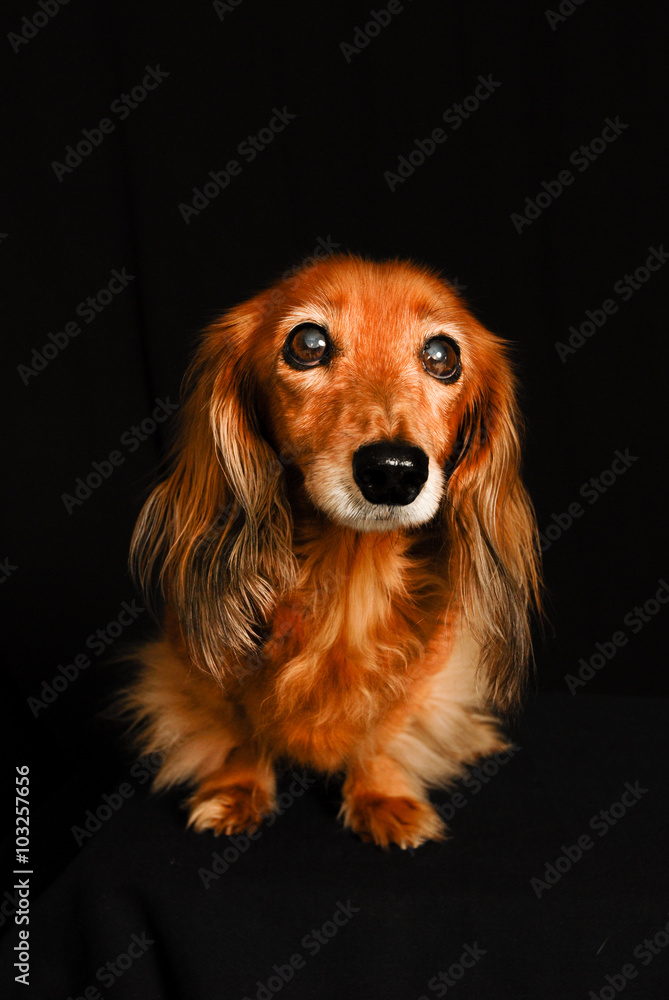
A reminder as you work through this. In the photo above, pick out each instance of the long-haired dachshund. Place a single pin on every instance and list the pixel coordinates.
(346, 552)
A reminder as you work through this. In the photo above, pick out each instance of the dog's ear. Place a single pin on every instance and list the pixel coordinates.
(216, 534)
(491, 526)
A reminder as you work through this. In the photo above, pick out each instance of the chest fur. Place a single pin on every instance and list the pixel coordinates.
(345, 648)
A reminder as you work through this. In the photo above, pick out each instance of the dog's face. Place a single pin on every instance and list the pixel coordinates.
(363, 371)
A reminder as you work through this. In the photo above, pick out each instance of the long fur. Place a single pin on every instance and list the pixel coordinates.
(218, 529)
(295, 625)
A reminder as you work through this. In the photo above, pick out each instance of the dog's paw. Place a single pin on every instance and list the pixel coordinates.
(229, 808)
(386, 820)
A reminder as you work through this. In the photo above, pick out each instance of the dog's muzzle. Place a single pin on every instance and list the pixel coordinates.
(390, 473)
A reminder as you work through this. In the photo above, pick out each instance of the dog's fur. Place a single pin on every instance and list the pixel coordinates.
(303, 623)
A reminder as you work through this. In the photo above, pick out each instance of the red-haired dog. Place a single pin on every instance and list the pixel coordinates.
(346, 552)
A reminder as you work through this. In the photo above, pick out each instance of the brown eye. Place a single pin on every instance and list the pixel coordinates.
(441, 359)
(307, 346)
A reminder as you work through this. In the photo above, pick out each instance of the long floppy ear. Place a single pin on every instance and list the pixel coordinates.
(492, 530)
(217, 532)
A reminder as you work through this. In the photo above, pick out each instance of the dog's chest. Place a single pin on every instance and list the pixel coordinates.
(339, 657)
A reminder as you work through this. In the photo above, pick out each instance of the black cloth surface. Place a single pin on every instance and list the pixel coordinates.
(146, 909)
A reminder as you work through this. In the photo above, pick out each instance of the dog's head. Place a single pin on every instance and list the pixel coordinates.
(395, 409)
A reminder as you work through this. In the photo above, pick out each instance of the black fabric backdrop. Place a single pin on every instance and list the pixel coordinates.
(156, 97)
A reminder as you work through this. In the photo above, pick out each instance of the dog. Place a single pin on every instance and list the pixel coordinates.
(345, 551)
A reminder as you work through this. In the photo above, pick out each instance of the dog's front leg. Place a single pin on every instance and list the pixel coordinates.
(384, 804)
(235, 797)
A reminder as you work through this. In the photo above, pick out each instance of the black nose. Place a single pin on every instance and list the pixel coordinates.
(390, 473)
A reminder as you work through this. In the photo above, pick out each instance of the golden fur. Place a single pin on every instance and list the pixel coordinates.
(299, 625)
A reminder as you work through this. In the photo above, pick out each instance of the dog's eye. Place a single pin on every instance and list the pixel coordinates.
(307, 346)
(441, 359)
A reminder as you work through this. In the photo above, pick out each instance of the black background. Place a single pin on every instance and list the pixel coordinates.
(322, 178)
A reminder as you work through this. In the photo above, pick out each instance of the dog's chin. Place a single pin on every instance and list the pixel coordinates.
(382, 519)
(344, 504)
